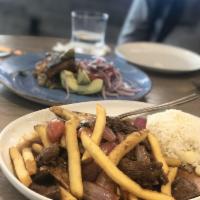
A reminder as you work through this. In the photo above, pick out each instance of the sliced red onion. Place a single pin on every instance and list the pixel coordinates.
(103, 93)
(120, 137)
(122, 93)
(112, 94)
(93, 191)
(107, 147)
(90, 171)
(140, 122)
(114, 85)
(109, 135)
(104, 181)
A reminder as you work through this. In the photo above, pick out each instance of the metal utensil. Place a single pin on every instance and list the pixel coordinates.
(150, 109)
(170, 104)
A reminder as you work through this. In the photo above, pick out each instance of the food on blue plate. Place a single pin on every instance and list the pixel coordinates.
(69, 81)
(82, 76)
(97, 157)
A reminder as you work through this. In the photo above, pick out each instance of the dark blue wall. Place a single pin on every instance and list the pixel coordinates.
(52, 17)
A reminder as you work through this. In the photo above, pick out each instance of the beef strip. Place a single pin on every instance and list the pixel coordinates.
(146, 174)
(48, 156)
(123, 126)
(45, 184)
(96, 192)
(60, 175)
(44, 177)
(50, 175)
(131, 155)
(142, 154)
(139, 153)
(104, 181)
(147, 145)
(120, 137)
(109, 135)
(52, 192)
(87, 123)
(186, 185)
(184, 189)
(61, 62)
(187, 167)
(190, 176)
(107, 147)
(90, 171)
(64, 65)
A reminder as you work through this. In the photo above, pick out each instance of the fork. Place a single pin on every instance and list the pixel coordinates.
(170, 104)
(150, 109)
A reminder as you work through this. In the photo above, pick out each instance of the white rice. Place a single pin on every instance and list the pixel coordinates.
(179, 135)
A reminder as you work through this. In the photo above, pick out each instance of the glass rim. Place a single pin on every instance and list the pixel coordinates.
(89, 14)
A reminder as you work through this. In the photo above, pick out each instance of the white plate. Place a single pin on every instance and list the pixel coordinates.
(159, 57)
(12, 134)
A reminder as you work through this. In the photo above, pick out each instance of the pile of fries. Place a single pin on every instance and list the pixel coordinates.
(25, 166)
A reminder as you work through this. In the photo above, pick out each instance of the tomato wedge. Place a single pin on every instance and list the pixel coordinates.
(55, 130)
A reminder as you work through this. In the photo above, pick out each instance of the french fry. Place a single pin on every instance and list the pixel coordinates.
(27, 140)
(157, 152)
(29, 161)
(37, 148)
(126, 145)
(132, 197)
(66, 114)
(173, 162)
(63, 112)
(19, 166)
(63, 142)
(65, 195)
(118, 176)
(41, 129)
(98, 129)
(74, 163)
(166, 189)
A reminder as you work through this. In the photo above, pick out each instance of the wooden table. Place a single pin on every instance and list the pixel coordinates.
(166, 87)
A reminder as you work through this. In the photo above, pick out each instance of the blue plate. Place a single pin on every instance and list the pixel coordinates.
(27, 87)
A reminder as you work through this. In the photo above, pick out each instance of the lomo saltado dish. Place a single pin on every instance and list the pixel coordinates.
(96, 157)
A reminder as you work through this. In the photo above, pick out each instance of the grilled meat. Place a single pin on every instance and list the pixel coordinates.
(122, 126)
(104, 181)
(52, 192)
(107, 147)
(186, 185)
(90, 171)
(146, 174)
(141, 154)
(184, 189)
(48, 156)
(93, 191)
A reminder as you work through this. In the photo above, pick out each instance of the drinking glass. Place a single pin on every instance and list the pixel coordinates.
(88, 32)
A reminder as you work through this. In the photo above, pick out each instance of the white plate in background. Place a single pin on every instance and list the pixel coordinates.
(159, 57)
